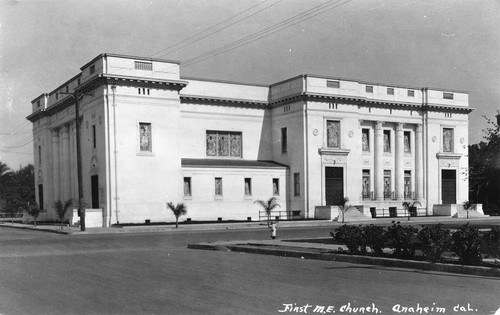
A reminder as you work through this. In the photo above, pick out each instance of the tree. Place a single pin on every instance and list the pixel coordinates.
(344, 206)
(34, 211)
(268, 206)
(467, 207)
(178, 210)
(409, 206)
(15, 206)
(61, 209)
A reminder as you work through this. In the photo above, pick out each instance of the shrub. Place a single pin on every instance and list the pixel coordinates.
(467, 243)
(352, 236)
(435, 240)
(401, 239)
(375, 238)
(492, 242)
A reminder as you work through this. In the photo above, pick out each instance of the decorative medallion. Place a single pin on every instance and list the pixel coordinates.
(462, 140)
(366, 161)
(351, 134)
(315, 132)
(434, 139)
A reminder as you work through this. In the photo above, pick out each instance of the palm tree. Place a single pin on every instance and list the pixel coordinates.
(5, 174)
(268, 206)
(467, 206)
(344, 206)
(62, 208)
(409, 206)
(178, 210)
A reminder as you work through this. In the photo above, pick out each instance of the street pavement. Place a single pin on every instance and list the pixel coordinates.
(155, 273)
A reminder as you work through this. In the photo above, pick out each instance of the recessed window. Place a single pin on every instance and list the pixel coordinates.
(39, 155)
(284, 141)
(411, 93)
(248, 186)
(224, 144)
(407, 141)
(387, 184)
(296, 184)
(218, 186)
(92, 69)
(187, 186)
(369, 89)
(57, 96)
(366, 184)
(387, 141)
(145, 139)
(390, 91)
(448, 96)
(94, 138)
(365, 140)
(448, 139)
(140, 65)
(276, 186)
(37, 103)
(79, 81)
(407, 185)
(67, 88)
(333, 134)
(333, 84)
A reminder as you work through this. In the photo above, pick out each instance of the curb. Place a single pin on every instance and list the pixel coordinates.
(36, 229)
(318, 254)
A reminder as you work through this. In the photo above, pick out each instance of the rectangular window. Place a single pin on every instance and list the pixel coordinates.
(369, 89)
(92, 69)
(333, 134)
(407, 141)
(67, 88)
(365, 140)
(145, 140)
(411, 93)
(57, 96)
(387, 184)
(387, 141)
(276, 186)
(248, 186)
(39, 155)
(390, 91)
(284, 141)
(448, 96)
(407, 185)
(140, 65)
(38, 104)
(366, 184)
(79, 81)
(40, 196)
(224, 144)
(296, 184)
(94, 138)
(447, 140)
(187, 186)
(333, 84)
(218, 186)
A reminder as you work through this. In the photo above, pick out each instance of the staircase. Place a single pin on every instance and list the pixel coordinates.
(353, 215)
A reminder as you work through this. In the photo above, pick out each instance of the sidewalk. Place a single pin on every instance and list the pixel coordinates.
(75, 230)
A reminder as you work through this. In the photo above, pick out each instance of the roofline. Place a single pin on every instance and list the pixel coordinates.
(225, 81)
(65, 83)
(128, 57)
(39, 97)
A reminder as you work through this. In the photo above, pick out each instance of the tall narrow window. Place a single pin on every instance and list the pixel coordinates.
(387, 184)
(365, 140)
(407, 141)
(447, 140)
(333, 134)
(39, 154)
(92, 69)
(145, 142)
(94, 138)
(387, 141)
(187, 186)
(284, 141)
(218, 186)
(276, 186)
(296, 184)
(248, 186)
(366, 184)
(407, 185)
(40, 196)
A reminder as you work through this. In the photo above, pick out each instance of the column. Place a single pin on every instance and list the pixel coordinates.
(419, 163)
(379, 163)
(399, 162)
(65, 160)
(55, 164)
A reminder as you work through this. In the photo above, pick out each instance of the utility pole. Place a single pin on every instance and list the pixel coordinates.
(81, 209)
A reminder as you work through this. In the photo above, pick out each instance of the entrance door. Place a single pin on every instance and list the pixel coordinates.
(95, 191)
(334, 185)
(449, 186)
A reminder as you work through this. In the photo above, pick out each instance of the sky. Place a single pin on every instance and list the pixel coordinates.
(452, 45)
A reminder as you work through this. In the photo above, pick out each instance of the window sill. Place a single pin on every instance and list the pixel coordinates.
(248, 197)
(188, 197)
(217, 197)
(142, 153)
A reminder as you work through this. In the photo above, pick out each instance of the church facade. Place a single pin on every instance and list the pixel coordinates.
(150, 136)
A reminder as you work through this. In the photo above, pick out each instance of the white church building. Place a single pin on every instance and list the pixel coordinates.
(150, 136)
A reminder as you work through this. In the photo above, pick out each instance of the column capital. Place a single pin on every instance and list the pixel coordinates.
(55, 133)
(378, 125)
(399, 127)
(419, 128)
